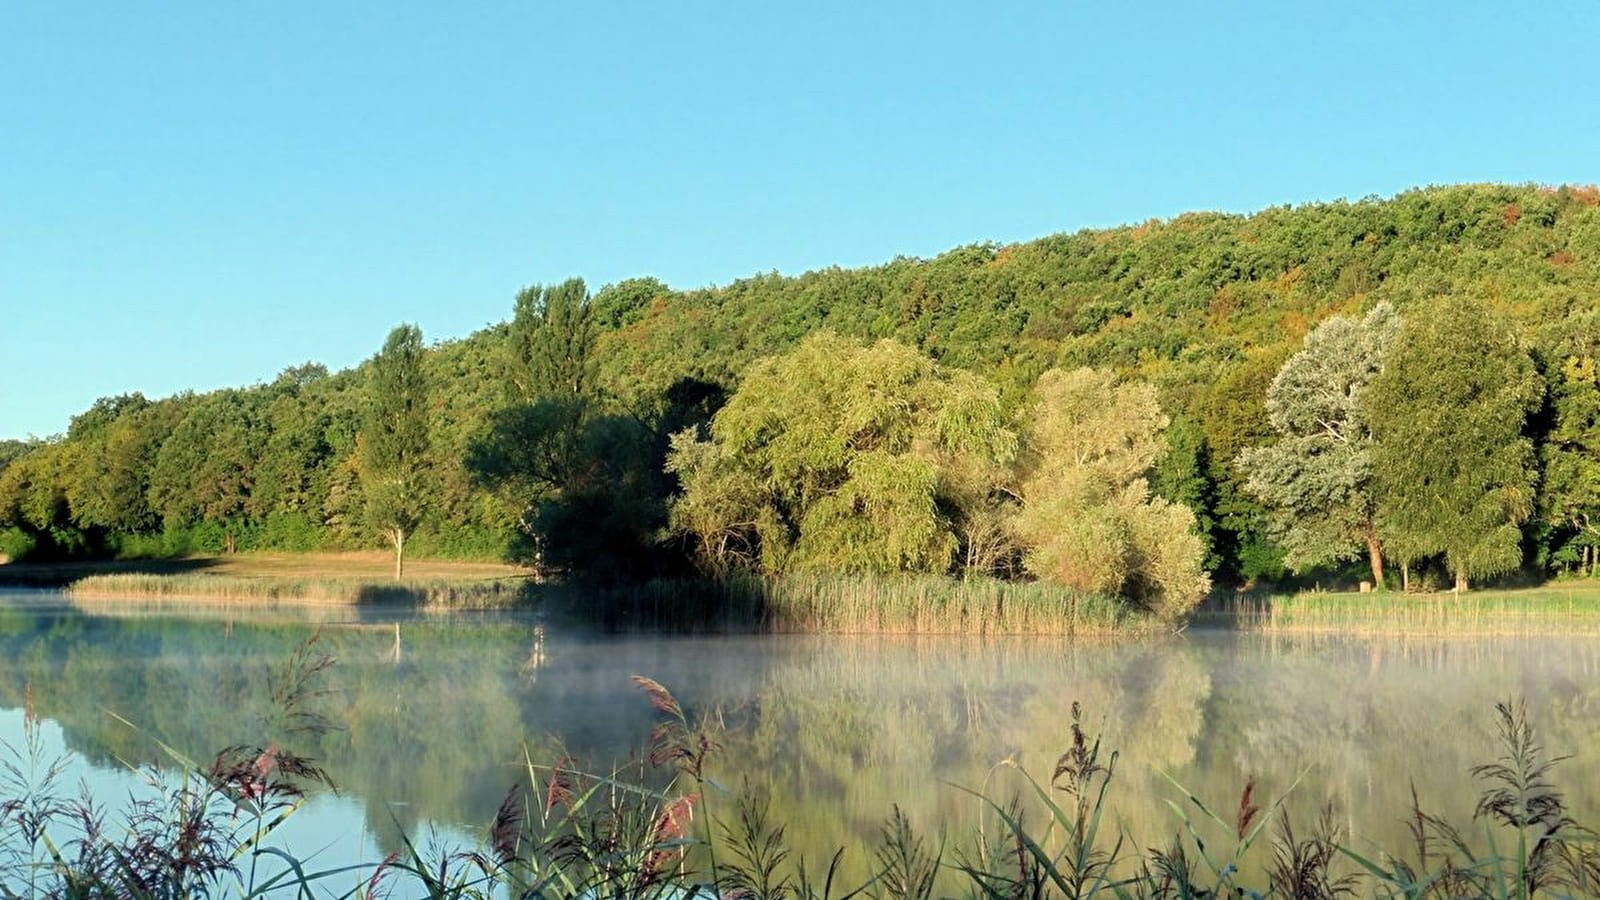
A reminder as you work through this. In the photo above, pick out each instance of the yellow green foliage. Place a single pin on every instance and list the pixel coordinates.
(1088, 519)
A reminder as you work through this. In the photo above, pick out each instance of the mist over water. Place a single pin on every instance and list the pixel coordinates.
(434, 714)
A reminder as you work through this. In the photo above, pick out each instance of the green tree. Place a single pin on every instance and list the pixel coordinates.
(1182, 475)
(1317, 479)
(832, 457)
(584, 483)
(206, 468)
(1088, 518)
(1232, 409)
(1453, 471)
(110, 472)
(1569, 493)
(13, 450)
(33, 500)
(552, 335)
(394, 440)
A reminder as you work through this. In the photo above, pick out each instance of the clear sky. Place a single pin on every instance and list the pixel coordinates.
(200, 194)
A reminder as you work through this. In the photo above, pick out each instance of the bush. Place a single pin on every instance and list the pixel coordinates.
(16, 545)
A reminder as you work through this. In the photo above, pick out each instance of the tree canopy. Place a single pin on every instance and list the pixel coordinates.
(1206, 308)
(834, 456)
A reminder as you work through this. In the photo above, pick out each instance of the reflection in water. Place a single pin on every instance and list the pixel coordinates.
(435, 712)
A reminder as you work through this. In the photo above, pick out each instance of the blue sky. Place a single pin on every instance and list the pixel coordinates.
(195, 195)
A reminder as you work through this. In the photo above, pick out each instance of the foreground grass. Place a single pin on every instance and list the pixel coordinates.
(1554, 608)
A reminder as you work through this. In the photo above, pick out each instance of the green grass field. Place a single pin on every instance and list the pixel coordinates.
(1558, 607)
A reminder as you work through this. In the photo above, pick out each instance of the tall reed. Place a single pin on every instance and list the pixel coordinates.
(841, 604)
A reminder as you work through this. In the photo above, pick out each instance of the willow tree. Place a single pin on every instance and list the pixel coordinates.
(1088, 517)
(394, 440)
(1453, 470)
(1317, 479)
(835, 456)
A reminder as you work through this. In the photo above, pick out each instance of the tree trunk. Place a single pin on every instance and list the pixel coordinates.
(399, 553)
(1461, 583)
(1375, 558)
(1405, 577)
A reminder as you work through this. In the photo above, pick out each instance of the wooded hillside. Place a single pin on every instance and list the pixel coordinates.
(549, 433)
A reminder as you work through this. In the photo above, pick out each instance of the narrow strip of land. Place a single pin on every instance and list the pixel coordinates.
(1558, 607)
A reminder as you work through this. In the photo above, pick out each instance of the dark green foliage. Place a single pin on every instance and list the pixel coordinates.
(11, 451)
(104, 412)
(1569, 449)
(1182, 476)
(582, 477)
(551, 340)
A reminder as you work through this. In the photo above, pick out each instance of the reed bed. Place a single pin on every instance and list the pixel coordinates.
(832, 604)
(1554, 609)
(837, 604)
(489, 593)
(932, 605)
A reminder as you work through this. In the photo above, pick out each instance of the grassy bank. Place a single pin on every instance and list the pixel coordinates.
(495, 593)
(280, 578)
(1555, 608)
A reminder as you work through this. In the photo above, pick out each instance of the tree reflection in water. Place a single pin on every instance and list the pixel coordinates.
(837, 730)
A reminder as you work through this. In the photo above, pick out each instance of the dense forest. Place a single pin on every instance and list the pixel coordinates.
(1314, 390)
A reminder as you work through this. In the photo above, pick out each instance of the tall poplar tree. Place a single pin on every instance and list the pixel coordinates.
(394, 440)
(1453, 470)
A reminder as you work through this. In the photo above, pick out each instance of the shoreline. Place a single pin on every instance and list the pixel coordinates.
(797, 604)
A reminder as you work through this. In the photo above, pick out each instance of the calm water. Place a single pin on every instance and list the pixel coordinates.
(433, 725)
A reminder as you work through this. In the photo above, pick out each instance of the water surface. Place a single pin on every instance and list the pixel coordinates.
(434, 714)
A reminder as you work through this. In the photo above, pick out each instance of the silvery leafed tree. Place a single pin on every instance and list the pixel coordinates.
(394, 440)
(1317, 480)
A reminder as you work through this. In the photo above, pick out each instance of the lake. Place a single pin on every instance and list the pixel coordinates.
(434, 713)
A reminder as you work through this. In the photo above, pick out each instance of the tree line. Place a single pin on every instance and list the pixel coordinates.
(1408, 381)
